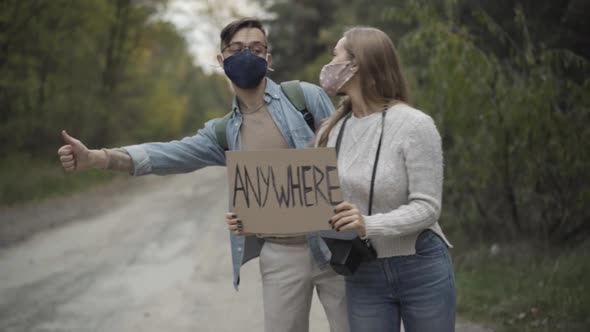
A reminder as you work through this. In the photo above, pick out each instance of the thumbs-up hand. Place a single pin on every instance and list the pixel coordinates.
(74, 155)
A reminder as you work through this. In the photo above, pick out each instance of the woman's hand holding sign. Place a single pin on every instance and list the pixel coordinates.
(348, 217)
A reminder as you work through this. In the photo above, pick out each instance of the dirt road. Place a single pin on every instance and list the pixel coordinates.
(155, 259)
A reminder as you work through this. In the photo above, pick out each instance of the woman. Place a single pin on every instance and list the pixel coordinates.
(412, 280)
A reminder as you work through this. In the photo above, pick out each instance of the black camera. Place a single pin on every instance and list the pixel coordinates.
(347, 255)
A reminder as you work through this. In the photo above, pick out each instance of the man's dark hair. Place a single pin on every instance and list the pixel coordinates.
(230, 30)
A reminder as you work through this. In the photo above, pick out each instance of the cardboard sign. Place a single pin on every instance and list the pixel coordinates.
(283, 191)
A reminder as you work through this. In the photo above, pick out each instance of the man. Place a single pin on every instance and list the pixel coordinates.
(262, 117)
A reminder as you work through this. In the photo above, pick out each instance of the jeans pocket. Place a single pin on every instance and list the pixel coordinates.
(430, 245)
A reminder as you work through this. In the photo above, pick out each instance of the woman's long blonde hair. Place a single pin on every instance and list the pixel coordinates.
(382, 82)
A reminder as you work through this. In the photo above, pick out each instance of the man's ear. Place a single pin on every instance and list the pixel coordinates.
(354, 68)
(220, 60)
(268, 59)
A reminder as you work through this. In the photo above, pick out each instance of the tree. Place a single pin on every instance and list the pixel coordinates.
(108, 68)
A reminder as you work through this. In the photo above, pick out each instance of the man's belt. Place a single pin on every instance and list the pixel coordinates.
(286, 240)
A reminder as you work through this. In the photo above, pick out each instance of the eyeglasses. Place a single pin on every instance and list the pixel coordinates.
(257, 48)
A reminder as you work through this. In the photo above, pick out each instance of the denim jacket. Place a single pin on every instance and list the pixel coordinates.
(201, 150)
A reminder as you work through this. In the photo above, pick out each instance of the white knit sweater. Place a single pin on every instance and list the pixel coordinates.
(408, 184)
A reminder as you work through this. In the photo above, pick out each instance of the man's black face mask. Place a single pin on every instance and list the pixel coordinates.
(245, 69)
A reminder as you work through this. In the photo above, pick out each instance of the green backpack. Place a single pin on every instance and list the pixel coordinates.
(293, 91)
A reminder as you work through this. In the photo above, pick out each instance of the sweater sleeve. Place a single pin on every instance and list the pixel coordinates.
(424, 165)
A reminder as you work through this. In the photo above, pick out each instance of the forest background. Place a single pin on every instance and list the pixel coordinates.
(507, 83)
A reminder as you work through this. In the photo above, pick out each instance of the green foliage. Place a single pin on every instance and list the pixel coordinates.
(25, 179)
(524, 288)
(512, 128)
(108, 71)
(293, 38)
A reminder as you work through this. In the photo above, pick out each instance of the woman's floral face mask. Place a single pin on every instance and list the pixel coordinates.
(334, 75)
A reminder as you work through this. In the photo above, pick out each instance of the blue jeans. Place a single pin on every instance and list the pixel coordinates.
(418, 289)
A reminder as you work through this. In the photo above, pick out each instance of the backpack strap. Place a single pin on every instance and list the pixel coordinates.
(294, 93)
(221, 131)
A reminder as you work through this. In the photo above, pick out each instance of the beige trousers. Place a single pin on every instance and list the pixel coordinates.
(289, 276)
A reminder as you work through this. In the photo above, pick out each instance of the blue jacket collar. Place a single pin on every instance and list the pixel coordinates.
(272, 91)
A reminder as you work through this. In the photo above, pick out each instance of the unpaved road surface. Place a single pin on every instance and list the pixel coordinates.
(151, 256)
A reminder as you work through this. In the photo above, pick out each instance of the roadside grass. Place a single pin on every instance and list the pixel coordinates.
(522, 287)
(23, 179)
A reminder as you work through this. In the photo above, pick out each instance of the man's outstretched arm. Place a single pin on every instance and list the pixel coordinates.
(181, 156)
